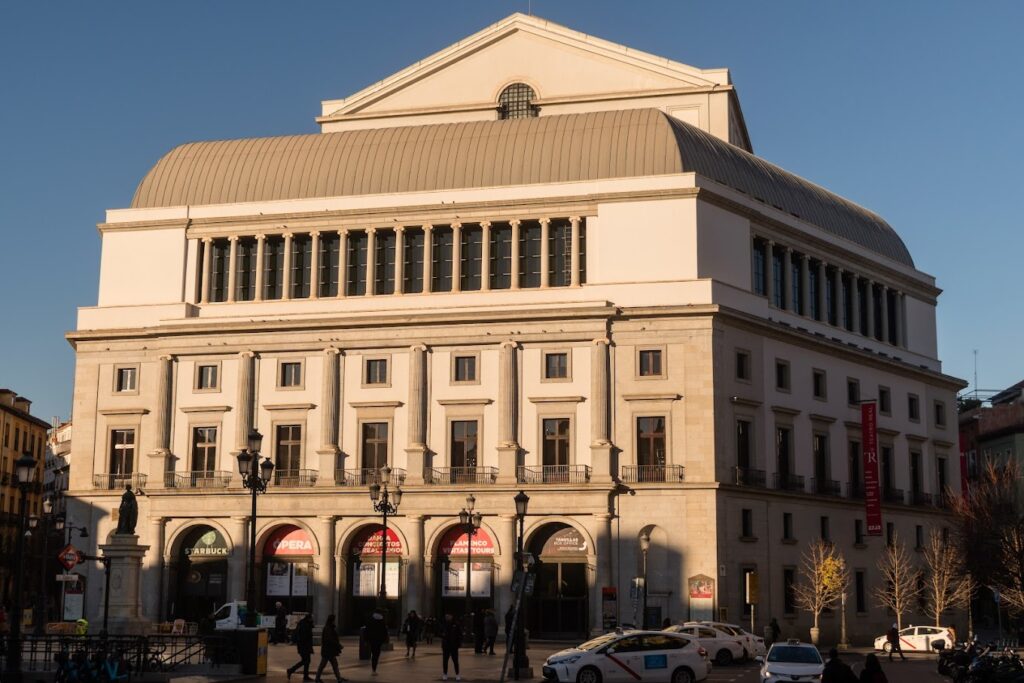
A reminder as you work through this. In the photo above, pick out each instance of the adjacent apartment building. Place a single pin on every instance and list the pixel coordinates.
(535, 260)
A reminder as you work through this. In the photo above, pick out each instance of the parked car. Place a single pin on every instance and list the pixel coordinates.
(791, 661)
(918, 639)
(654, 656)
(723, 647)
(753, 645)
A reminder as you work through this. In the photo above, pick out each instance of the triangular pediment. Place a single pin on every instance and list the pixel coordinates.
(559, 63)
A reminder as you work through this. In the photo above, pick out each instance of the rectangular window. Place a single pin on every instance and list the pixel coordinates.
(291, 374)
(556, 365)
(858, 532)
(122, 452)
(273, 268)
(783, 455)
(860, 590)
(890, 533)
(941, 479)
(846, 291)
(913, 407)
(204, 450)
(376, 371)
(743, 442)
(862, 296)
(796, 284)
(650, 363)
(833, 290)
(126, 379)
(464, 443)
(825, 528)
(245, 269)
(747, 523)
(884, 401)
(855, 468)
(915, 474)
(556, 442)
(529, 254)
(412, 270)
(819, 385)
(812, 291)
(375, 445)
(885, 473)
(560, 253)
(302, 254)
(650, 443)
(853, 392)
(789, 590)
(743, 366)
(778, 281)
(759, 259)
(940, 414)
(501, 256)
(219, 270)
(583, 251)
(355, 277)
(782, 375)
(819, 448)
(441, 255)
(207, 377)
(465, 368)
(877, 309)
(471, 258)
(918, 537)
(384, 244)
(288, 450)
(329, 261)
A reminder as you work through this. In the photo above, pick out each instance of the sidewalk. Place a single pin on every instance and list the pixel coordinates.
(395, 668)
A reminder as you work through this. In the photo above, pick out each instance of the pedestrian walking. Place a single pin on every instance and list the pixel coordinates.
(478, 632)
(412, 627)
(304, 644)
(451, 640)
(280, 624)
(776, 630)
(330, 648)
(872, 672)
(376, 636)
(429, 629)
(836, 670)
(490, 631)
(893, 636)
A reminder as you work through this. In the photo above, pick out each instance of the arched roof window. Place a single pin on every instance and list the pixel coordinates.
(516, 102)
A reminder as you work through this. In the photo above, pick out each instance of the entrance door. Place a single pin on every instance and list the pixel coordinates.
(558, 608)
(202, 571)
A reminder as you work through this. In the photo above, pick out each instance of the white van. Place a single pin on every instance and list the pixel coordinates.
(230, 616)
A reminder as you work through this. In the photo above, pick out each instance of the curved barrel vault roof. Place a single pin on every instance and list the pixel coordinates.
(477, 154)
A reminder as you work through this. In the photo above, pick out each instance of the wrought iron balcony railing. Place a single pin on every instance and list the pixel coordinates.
(897, 496)
(111, 481)
(825, 487)
(201, 479)
(366, 476)
(746, 476)
(460, 475)
(641, 474)
(920, 498)
(855, 490)
(295, 478)
(789, 482)
(553, 474)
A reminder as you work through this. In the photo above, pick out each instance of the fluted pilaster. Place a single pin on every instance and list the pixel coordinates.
(246, 392)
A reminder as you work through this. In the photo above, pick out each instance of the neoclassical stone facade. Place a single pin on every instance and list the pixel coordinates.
(590, 292)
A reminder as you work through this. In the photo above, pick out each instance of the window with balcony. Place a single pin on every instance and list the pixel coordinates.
(744, 441)
(501, 256)
(784, 456)
(555, 450)
(204, 449)
(374, 445)
(650, 443)
(288, 450)
(273, 268)
(885, 469)
(855, 468)
(464, 443)
(822, 472)
(384, 244)
(412, 266)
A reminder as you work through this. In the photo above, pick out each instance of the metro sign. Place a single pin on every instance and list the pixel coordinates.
(69, 556)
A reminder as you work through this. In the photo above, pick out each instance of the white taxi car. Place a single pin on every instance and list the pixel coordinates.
(723, 647)
(654, 656)
(753, 646)
(791, 661)
(918, 639)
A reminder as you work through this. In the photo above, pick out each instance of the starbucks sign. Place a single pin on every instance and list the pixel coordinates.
(209, 544)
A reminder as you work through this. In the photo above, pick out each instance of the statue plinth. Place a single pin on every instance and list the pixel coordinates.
(125, 556)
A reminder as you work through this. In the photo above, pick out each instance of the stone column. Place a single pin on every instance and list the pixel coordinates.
(601, 530)
(261, 242)
(329, 410)
(485, 255)
(769, 285)
(600, 439)
(883, 297)
(246, 393)
(428, 257)
(371, 261)
(787, 279)
(575, 260)
(232, 266)
(153, 570)
(823, 292)
(314, 265)
(204, 284)
(506, 565)
(327, 581)
(545, 252)
(870, 303)
(164, 403)
(508, 445)
(416, 451)
(399, 259)
(456, 257)
(855, 304)
(515, 253)
(239, 557)
(286, 276)
(342, 263)
(805, 286)
(414, 594)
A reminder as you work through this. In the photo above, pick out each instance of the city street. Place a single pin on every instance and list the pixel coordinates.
(395, 668)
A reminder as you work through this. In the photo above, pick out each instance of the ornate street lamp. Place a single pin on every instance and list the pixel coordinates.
(469, 523)
(256, 475)
(25, 472)
(385, 502)
(519, 660)
(645, 545)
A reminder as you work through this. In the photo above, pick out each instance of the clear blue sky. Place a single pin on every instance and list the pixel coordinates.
(912, 109)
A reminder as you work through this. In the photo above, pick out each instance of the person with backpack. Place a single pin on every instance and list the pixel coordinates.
(376, 636)
(451, 640)
(330, 648)
(304, 644)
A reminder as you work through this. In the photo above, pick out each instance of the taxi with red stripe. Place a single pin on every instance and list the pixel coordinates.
(628, 656)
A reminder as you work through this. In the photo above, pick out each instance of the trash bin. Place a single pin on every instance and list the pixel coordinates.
(252, 650)
(364, 645)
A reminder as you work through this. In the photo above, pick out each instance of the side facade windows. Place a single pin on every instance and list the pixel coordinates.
(207, 377)
(289, 375)
(375, 372)
(126, 379)
(650, 363)
(556, 365)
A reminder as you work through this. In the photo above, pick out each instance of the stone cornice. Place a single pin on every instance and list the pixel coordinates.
(204, 409)
(288, 406)
(465, 401)
(375, 404)
(123, 411)
(556, 399)
(652, 396)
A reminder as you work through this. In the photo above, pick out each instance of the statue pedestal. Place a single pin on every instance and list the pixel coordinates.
(125, 555)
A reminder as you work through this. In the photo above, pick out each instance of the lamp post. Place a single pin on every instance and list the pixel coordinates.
(256, 475)
(33, 522)
(469, 522)
(25, 471)
(519, 660)
(385, 502)
(645, 545)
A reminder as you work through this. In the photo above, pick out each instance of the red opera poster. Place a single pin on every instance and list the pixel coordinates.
(368, 543)
(872, 494)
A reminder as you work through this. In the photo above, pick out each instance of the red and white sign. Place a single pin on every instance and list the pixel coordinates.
(288, 540)
(69, 557)
(368, 543)
(872, 492)
(456, 542)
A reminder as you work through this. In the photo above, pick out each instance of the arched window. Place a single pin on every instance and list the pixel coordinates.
(516, 102)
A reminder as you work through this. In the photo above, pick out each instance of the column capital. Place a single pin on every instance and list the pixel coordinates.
(314, 233)
(509, 344)
(158, 520)
(515, 222)
(288, 235)
(427, 226)
(332, 351)
(232, 238)
(399, 229)
(246, 354)
(508, 517)
(544, 221)
(418, 347)
(240, 518)
(207, 240)
(456, 225)
(330, 519)
(604, 516)
(574, 219)
(165, 356)
(603, 340)
(371, 231)
(261, 236)
(416, 519)
(485, 224)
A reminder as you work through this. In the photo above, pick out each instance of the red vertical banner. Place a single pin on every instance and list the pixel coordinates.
(872, 492)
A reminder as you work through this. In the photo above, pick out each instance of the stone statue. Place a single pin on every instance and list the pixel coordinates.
(128, 513)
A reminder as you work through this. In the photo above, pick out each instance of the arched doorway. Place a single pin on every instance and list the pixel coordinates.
(288, 563)
(452, 573)
(364, 576)
(558, 608)
(202, 571)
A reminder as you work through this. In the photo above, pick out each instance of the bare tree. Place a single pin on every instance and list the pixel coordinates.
(1011, 579)
(945, 582)
(899, 588)
(825, 578)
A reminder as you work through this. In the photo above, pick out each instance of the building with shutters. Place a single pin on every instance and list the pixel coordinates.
(536, 261)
